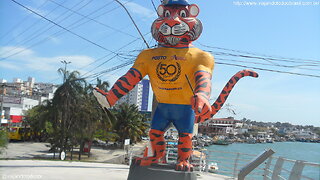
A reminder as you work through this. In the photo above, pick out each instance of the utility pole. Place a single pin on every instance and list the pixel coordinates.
(65, 69)
(154, 101)
(1, 108)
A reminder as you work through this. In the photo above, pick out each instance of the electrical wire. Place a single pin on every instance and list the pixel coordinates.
(257, 54)
(62, 27)
(98, 22)
(21, 22)
(134, 23)
(101, 58)
(44, 29)
(154, 6)
(268, 58)
(257, 63)
(270, 70)
(264, 58)
(62, 31)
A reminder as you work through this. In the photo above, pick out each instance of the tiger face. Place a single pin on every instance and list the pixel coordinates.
(177, 25)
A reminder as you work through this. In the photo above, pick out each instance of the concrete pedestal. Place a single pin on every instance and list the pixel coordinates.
(159, 172)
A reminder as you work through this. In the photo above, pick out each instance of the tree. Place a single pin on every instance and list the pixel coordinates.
(103, 85)
(66, 104)
(130, 123)
(38, 118)
(3, 139)
(72, 116)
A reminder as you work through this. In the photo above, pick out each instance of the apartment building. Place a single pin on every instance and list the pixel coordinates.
(139, 95)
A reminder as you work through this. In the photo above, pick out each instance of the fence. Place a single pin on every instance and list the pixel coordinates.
(233, 164)
(275, 168)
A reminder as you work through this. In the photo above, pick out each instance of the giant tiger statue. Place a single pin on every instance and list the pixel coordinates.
(170, 66)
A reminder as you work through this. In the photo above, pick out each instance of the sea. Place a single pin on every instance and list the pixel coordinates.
(225, 155)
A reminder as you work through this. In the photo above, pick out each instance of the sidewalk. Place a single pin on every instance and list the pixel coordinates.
(114, 156)
(56, 170)
(61, 170)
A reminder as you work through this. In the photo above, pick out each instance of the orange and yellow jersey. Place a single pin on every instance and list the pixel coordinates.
(167, 67)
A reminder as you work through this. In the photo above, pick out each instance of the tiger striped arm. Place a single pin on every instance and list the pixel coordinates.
(122, 86)
(203, 84)
(200, 102)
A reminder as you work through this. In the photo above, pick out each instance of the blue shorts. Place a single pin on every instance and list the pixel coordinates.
(181, 116)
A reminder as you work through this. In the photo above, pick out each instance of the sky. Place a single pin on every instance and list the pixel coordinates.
(96, 35)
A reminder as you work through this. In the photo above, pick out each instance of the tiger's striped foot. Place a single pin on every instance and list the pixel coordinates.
(147, 161)
(184, 166)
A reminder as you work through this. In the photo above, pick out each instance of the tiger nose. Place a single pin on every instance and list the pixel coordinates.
(173, 22)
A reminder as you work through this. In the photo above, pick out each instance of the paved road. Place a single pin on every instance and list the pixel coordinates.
(56, 170)
(24, 150)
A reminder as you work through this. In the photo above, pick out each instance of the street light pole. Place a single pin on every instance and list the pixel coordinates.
(65, 69)
(1, 109)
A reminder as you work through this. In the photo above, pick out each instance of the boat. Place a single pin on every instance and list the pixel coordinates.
(251, 140)
(213, 167)
(221, 140)
(269, 140)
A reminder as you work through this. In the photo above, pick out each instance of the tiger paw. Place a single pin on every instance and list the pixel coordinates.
(147, 161)
(184, 166)
(101, 97)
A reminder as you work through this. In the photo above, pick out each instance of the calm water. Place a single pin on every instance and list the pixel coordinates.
(291, 150)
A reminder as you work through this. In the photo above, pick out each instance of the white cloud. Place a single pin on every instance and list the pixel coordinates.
(140, 10)
(54, 39)
(8, 65)
(30, 61)
(19, 51)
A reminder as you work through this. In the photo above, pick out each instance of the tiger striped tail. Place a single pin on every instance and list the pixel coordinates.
(217, 105)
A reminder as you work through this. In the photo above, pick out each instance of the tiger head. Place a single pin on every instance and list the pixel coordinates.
(177, 25)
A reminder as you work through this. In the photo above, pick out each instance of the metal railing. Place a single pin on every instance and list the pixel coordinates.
(274, 168)
(232, 164)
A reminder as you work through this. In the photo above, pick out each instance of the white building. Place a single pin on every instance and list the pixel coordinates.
(14, 108)
(138, 95)
(20, 96)
(31, 89)
(304, 134)
(219, 126)
(3, 80)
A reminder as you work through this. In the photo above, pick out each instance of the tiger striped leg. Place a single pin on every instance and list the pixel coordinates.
(184, 152)
(158, 146)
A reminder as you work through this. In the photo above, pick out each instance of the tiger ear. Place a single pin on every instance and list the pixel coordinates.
(160, 11)
(194, 10)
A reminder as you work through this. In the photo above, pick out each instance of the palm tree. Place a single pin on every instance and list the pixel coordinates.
(103, 85)
(130, 123)
(72, 116)
(67, 98)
